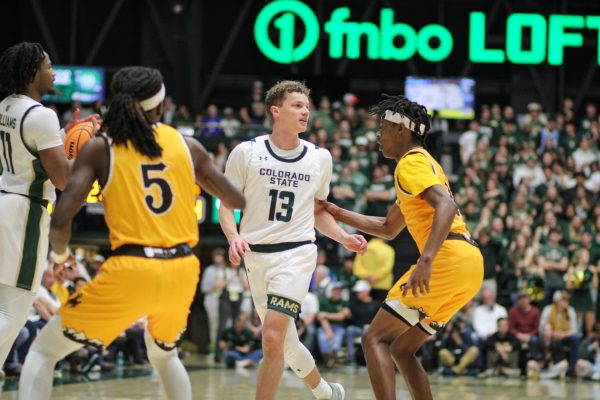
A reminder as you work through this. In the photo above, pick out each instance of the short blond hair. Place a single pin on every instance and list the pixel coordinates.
(277, 93)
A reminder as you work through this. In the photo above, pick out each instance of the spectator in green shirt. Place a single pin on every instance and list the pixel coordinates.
(346, 276)
(553, 259)
(380, 194)
(332, 316)
(240, 345)
(344, 190)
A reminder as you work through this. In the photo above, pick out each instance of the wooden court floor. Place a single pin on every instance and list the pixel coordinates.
(216, 383)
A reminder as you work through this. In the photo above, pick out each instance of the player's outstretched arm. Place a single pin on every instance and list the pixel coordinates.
(385, 228)
(212, 179)
(91, 163)
(325, 223)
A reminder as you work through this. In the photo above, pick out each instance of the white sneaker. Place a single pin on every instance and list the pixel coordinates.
(338, 391)
(243, 363)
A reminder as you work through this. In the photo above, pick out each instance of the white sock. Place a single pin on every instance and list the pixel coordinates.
(323, 391)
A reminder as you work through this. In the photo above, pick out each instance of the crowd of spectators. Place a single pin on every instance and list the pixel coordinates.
(528, 186)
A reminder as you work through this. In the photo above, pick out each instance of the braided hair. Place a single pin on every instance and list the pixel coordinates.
(18, 66)
(400, 104)
(126, 120)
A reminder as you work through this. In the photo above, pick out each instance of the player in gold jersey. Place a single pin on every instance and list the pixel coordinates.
(147, 172)
(448, 273)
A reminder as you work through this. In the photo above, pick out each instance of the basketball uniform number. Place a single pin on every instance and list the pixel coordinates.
(287, 205)
(166, 193)
(6, 153)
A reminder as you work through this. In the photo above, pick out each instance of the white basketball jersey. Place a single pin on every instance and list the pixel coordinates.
(26, 127)
(280, 189)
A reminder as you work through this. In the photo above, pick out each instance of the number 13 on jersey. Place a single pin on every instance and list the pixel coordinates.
(285, 200)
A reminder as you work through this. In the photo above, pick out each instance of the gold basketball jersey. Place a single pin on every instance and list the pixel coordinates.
(150, 201)
(416, 171)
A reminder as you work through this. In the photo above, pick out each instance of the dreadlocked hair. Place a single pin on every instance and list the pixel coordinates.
(400, 104)
(18, 66)
(125, 120)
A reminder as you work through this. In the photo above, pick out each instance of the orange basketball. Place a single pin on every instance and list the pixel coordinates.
(77, 137)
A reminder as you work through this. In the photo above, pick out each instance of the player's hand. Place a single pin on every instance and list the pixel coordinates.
(329, 207)
(355, 243)
(237, 250)
(94, 118)
(419, 280)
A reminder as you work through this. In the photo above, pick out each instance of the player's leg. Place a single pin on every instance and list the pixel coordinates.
(301, 361)
(285, 272)
(399, 314)
(275, 326)
(177, 280)
(49, 347)
(281, 342)
(274, 323)
(403, 351)
(19, 263)
(14, 309)
(376, 341)
(173, 377)
(94, 315)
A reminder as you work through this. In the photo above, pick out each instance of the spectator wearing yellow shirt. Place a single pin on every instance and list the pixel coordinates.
(62, 274)
(376, 267)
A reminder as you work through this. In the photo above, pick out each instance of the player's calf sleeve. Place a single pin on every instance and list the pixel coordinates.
(49, 347)
(297, 356)
(173, 377)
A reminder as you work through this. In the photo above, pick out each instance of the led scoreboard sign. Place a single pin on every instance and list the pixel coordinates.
(550, 35)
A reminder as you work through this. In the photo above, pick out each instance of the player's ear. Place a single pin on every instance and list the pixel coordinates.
(274, 111)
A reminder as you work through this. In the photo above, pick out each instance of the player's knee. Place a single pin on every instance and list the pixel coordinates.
(298, 358)
(368, 340)
(272, 342)
(405, 346)
(402, 352)
(291, 351)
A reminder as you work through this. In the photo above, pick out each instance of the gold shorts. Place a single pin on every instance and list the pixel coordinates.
(456, 276)
(127, 289)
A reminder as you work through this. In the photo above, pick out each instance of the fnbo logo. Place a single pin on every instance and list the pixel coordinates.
(286, 51)
(549, 35)
(345, 35)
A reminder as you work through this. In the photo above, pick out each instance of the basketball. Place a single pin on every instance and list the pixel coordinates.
(77, 137)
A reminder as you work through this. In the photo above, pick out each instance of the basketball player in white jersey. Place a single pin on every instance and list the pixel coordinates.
(281, 177)
(32, 164)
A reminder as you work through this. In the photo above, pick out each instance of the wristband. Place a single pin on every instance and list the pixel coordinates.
(60, 258)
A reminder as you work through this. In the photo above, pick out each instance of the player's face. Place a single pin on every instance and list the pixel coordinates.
(388, 138)
(293, 113)
(44, 78)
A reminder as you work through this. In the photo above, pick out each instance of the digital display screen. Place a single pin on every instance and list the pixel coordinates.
(72, 83)
(453, 98)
